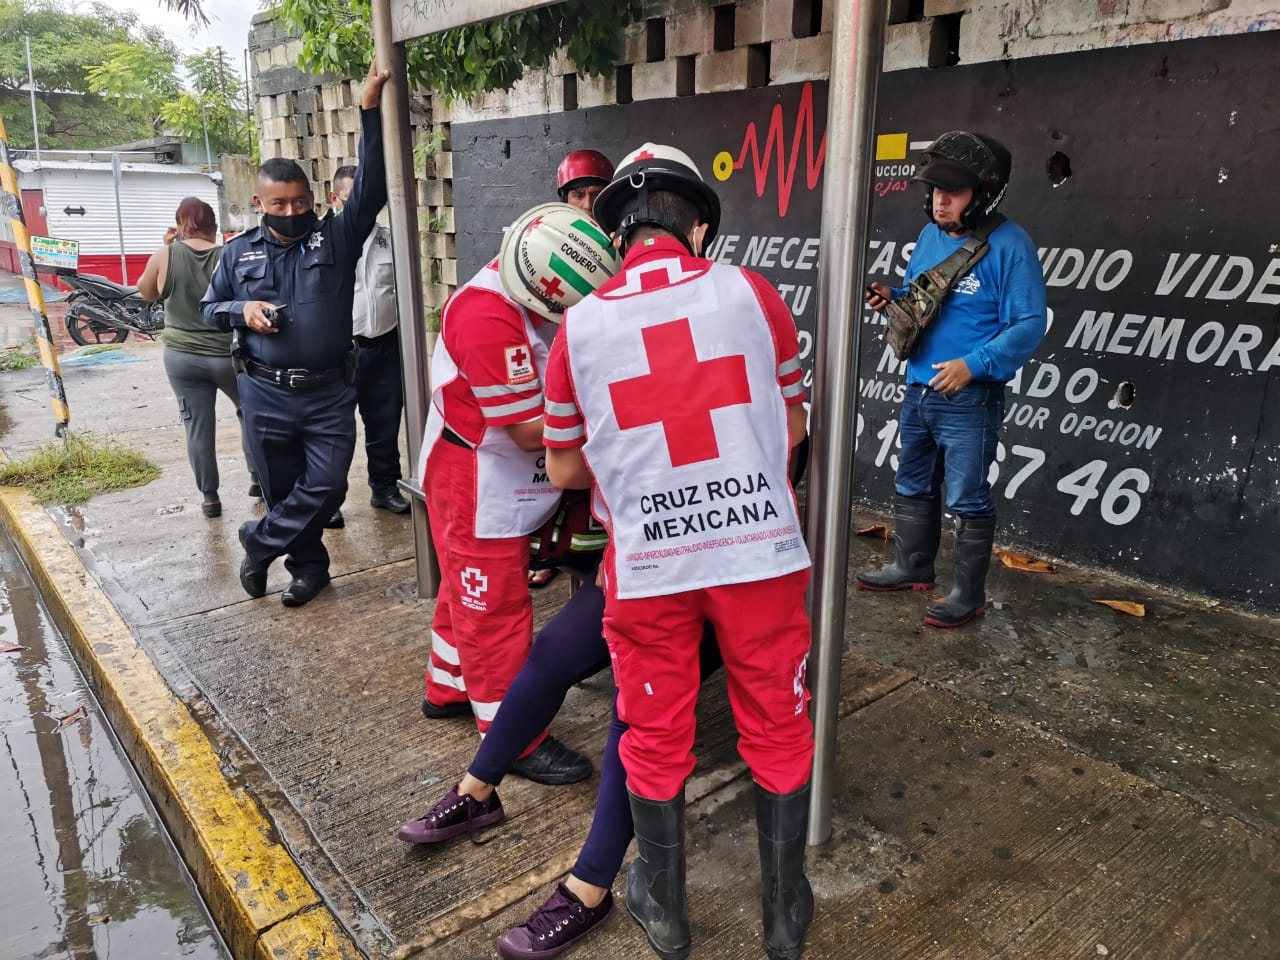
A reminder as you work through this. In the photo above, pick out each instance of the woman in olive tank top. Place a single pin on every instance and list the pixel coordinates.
(197, 358)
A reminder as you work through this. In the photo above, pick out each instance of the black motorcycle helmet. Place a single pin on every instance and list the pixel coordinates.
(623, 205)
(960, 159)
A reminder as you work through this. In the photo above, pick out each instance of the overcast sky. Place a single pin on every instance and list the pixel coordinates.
(228, 23)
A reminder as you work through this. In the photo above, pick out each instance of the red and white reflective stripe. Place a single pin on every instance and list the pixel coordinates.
(504, 389)
(790, 378)
(563, 422)
(530, 404)
(445, 652)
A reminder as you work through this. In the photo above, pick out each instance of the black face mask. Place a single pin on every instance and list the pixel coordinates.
(293, 227)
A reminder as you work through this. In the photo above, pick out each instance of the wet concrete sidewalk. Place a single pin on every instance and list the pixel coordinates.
(1058, 779)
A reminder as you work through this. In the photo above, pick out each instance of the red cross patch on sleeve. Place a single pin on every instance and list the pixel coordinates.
(520, 365)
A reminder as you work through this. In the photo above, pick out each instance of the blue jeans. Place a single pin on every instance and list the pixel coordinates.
(951, 440)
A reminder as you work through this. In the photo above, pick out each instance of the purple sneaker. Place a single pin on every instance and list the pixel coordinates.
(452, 817)
(554, 927)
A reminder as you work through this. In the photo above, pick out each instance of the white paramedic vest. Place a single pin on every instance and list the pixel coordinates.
(689, 453)
(513, 495)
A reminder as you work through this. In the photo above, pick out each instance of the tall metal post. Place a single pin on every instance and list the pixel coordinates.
(208, 152)
(857, 53)
(31, 88)
(402, 202)
(115, 179)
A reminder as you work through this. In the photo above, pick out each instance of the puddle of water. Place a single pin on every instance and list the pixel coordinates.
(89, 872)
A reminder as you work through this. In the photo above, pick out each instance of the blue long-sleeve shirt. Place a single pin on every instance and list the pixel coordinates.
(995, 315)
(313, 277)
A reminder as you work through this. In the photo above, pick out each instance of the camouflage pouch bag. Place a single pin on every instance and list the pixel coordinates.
(911, 313)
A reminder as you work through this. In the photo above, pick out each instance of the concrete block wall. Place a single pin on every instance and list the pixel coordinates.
(672, 51)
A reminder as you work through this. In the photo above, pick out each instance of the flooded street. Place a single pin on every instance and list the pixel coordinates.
(88, 871)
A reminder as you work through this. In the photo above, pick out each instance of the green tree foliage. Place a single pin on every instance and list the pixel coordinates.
(65, 45)
(137, 76)
(336, 37)
(216, 102)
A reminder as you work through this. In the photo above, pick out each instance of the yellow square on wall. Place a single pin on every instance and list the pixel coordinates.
(891, 146)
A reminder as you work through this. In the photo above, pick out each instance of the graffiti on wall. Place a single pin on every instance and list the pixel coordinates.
(1144, 434)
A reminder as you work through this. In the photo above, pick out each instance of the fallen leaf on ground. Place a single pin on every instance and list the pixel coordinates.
(100, 918)
(875, 530)
(1020, 561)
(12, 648)
(79, 713)
(1125, 606)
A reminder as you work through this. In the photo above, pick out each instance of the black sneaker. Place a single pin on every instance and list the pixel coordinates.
(553, 764)
(255, 490)
(554, 927)
(462, 708)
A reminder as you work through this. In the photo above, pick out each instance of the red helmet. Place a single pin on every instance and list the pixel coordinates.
(582, 165)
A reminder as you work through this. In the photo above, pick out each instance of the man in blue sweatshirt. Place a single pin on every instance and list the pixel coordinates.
(988, 326)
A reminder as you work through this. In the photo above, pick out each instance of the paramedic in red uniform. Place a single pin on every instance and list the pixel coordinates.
(484, 473)
(676, 388)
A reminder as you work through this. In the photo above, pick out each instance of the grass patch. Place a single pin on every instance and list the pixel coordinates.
(75, 470)
(21, 357)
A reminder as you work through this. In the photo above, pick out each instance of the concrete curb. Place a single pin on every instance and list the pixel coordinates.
(259, 898)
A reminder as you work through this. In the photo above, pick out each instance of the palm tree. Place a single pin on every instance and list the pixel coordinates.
(191, 9)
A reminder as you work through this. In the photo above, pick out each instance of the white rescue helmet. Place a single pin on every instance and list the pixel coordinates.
(624, 204)
(552, 257)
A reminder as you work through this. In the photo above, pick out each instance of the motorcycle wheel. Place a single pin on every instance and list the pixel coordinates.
(85, 330)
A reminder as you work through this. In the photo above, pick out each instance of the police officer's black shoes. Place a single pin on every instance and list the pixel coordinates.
(553, 764)
(303, 589)
(255, 490)
(336, 522)
(786, 897)
(655, 882)
(968, 596)
(389, 501)
(253, 575)
(917, 528)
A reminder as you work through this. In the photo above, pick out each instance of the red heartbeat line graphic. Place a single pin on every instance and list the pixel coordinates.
(775, 140)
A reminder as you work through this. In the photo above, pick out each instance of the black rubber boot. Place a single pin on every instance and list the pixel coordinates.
(917, 528)
(968, 596)
(655, 882)
(782, 821)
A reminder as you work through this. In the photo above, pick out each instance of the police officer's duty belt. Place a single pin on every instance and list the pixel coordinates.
(295, 378)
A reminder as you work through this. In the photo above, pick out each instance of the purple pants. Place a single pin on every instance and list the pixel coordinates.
(568, 650)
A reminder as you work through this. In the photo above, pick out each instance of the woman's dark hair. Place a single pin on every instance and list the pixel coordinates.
(195, 218)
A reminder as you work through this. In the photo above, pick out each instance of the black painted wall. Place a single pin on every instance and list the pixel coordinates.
(1144, 436)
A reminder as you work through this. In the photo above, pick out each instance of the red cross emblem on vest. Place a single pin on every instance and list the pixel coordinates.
(680, 391)
(519, 357)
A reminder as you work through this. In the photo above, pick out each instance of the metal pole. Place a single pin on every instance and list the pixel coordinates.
(31, 87)
(857, 52)
(115, 177)
(204, 122)
(248, 107)
(402, 202)
(226, 101)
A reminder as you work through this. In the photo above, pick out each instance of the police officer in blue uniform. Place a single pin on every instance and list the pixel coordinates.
(286, 289)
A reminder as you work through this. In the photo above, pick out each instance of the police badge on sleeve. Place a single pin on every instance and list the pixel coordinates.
(519, 365)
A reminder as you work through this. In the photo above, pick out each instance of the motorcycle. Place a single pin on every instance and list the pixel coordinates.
(102, 311)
